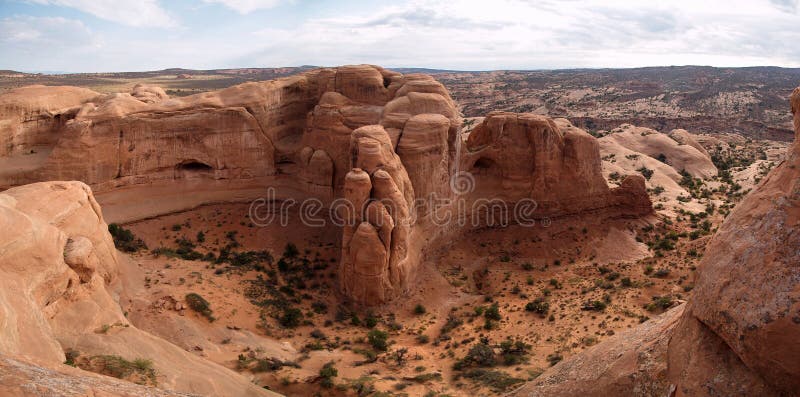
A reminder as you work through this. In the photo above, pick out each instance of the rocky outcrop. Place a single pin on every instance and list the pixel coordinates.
(58, 282)
(737, 336)
(21, 378)
(746, 292)
(375, 266)
(677, 149)
(31, 117)
(525, 156)
(388, 143)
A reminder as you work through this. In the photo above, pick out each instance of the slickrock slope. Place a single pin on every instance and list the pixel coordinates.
(383, 140)
(668, 147)
(20, 378)
(58, 282)
(738, 336)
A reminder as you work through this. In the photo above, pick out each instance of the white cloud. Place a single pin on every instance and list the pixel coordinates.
(45, 43)
(138, 13)
(42, 33)
(246, 6)
(505, 34)
(458, 34)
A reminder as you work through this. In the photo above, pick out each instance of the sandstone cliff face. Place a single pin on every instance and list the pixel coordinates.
(384, 141)
(30, 117)
(747, 287)
(58, 274)
(375, 241)
(738, 334)
(526, 156)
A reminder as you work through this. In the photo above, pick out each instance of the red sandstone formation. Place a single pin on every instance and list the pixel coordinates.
(738, 336)
(59, 284)
(380, 139)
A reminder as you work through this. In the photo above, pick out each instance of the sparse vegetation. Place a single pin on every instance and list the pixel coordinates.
(200, 305)
(124, 239)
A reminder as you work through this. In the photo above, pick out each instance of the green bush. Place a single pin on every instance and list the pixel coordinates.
(118, 367)
(498, 381)
(659, 303)
(200, 305)
(481, 355)
(554, 358)
(539, 306)
(419, 310)
(291, 317)
(378, 340)
(514, 352)
(291, 251)
(124, 239)
(595, 305)
(327, 373)
(493, 313)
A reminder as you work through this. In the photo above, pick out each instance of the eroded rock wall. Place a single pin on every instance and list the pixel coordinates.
(389, 143)
(738, 335)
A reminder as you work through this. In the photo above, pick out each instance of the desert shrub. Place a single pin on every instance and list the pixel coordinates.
(646, 172)
(139, 371)
(200, 305)
(124, 239)
(498, 381)
(424, 378)
(452, 323)
(480, 354)
(319, 307)
(661, 273)
(370, 321)
(423, 339)
(291, 251)
(71, 356)
(378, 340)
(594, 305)
(493, 313)
(659, 303)
(327, 373)
(514, 352)
(291, 317)
(419, 310)
(539, 306)
(554, 358)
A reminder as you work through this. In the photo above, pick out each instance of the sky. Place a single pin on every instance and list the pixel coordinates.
(139, 35)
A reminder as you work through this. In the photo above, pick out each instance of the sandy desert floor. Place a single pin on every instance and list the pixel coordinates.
(275, 312)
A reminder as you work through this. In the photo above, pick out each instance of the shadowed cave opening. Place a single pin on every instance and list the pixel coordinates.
(485, 166)
(193, 168)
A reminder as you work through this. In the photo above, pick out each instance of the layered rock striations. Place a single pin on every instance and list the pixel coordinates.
(387, 143)
(738, 335)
